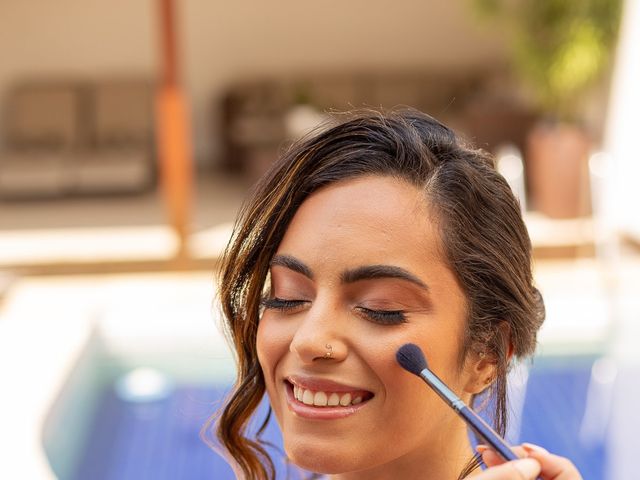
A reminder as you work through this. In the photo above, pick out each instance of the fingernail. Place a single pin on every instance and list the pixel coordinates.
(480, 448)
(528, 467)
(530, 447)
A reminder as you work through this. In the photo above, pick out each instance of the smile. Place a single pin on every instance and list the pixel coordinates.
(329, 403)
(327, 399)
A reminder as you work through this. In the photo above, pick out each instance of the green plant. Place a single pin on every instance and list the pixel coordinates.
(560, 48)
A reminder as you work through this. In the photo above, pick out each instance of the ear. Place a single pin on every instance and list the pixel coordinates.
(481, 366)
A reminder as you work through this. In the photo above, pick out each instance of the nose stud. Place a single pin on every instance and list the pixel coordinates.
(329, 352)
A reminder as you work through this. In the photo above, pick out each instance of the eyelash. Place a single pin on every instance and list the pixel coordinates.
(383, 317)
(280, 304)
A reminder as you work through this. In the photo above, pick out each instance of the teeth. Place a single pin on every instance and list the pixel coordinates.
(320, 399)
(307, 397)
(345, 399)
(324, 399)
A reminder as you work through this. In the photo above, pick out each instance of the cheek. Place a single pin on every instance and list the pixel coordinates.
(441, 345)
(413, 415)
(272, 343)
(272, 346)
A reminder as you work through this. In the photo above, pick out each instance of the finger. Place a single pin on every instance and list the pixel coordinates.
(490, 457)
(553, 466)
(522, 469)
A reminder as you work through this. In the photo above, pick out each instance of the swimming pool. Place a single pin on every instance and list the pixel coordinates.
(152, 430)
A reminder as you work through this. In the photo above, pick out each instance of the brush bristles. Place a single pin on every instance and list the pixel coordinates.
(411, 358)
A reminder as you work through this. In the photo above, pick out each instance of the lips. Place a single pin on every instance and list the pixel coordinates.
(323, 399)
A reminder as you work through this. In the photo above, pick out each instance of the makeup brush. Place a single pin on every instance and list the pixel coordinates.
(411, 358)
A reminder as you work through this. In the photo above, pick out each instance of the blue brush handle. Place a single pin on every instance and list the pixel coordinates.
(472, 419)
(489, 435)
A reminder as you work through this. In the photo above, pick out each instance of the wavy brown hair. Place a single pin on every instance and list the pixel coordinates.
(484, 239)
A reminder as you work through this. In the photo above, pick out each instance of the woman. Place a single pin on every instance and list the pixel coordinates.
(382, 230)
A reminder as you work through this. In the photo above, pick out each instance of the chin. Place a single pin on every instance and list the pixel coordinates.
(325, 459)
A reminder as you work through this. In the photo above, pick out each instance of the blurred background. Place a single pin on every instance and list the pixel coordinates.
(130, 133)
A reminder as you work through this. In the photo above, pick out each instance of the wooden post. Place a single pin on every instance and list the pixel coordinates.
(173, 132)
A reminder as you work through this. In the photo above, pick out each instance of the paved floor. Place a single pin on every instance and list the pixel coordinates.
(45, 235)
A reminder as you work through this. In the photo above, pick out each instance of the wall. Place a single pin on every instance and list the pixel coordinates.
(224, 41)
(620, 207)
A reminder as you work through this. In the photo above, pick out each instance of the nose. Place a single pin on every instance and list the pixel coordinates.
(320, 335)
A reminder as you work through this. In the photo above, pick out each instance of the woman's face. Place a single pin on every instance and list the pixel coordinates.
(359, 273)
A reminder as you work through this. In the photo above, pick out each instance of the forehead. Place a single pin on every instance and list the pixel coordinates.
(370, 219)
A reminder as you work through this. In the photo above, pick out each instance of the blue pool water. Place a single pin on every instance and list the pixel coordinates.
(160, 439)
(553, 414)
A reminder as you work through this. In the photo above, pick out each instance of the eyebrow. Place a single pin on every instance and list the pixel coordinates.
(368, 272)
(291, 263)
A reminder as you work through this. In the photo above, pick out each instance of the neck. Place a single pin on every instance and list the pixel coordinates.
(440, 458)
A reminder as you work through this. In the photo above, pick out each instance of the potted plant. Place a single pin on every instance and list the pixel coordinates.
(559, 50)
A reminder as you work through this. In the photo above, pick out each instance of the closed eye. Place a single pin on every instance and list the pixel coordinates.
(384, 317)
(281, 304)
